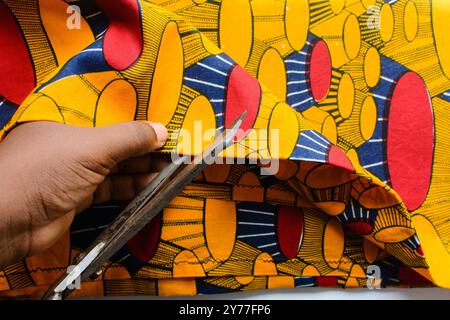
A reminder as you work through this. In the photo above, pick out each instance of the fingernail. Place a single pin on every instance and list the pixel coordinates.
(161, 132)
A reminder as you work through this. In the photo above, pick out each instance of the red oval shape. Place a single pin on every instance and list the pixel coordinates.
(243, 94)
(410, 140)
(326, 281)
(144, 244)
(290, 230)
(360, 227)
(320, 70)
(123, 41)
(18, 78)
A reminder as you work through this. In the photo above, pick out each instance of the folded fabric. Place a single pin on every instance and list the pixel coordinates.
(357, 92)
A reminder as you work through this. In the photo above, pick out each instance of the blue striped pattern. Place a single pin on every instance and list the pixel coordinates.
(299, 94)
(210, 77)
(311, 146)
(89, 60)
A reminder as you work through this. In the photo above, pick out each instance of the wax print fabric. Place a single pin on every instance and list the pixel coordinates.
(358, 92)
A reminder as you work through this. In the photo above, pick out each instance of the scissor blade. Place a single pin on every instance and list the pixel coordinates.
(148, 204)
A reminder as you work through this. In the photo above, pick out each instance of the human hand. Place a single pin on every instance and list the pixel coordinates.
(49, 172)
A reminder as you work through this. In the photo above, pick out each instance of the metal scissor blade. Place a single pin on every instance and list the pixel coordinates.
(148, 204)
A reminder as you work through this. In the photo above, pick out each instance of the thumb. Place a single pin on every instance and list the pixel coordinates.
(121, 141)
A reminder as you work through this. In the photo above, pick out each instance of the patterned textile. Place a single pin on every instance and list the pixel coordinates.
(358, 92)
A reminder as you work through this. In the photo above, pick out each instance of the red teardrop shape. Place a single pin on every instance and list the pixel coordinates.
(243, 94)
(290, 230)
(18, 78)
(123, 41)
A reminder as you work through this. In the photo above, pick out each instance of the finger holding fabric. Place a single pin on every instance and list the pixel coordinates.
(61, 171)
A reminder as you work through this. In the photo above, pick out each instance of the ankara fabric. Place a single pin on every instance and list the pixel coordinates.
(357, 90)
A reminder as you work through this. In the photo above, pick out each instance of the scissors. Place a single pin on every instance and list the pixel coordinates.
(146, 206)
